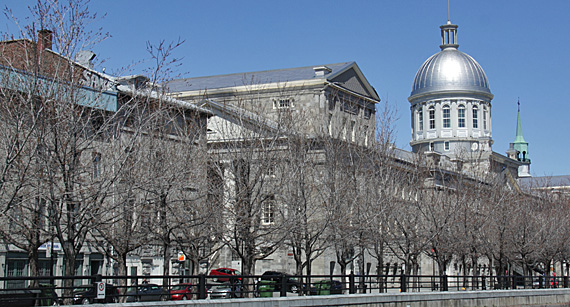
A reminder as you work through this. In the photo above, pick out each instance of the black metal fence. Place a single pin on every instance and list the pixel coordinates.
(35, 291)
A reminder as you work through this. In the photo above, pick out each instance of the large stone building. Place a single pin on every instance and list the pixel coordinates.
(333, 101)
(106, 130)
(450, 115)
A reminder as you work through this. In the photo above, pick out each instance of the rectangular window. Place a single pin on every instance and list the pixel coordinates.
(461, 117)
(16, 268)
(475, 119)
(332, 103)
(235, 256)
(431, 118)
(96, 165)
(267, 212)
(431, 146)
(367, 113)
(446, 146)
(446, 117)
(485, 119)
(349, 107)
(420, 119)
(282, 103)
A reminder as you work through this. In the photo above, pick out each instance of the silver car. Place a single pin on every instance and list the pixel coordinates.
(225, 291)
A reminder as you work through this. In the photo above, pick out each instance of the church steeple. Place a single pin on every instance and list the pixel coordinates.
(520, 144)
(518, 150)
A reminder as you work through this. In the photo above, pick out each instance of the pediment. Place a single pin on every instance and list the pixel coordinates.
(353, 80)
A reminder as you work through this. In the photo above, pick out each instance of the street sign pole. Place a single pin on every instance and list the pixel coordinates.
(100, 290)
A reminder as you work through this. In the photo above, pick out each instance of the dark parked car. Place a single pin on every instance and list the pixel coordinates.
(335, 287)
(224, 272)
(147, 292)
(44, 296)
(87, 294)
(184, 291)
(291, 282)
(18, 298)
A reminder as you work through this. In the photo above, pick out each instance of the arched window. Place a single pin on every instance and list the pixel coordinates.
(485, 118)
(431, 117)
(420, 119)
(461, 117)
(475, 117)
(446, 117)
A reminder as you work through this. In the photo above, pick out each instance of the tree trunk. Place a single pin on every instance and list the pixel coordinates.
(122, 271)
(166, 264)
(69, 272)
(33, 259)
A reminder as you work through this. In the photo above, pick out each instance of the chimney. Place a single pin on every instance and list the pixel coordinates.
(44, 39)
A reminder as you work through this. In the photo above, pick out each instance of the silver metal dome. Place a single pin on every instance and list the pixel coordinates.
(450, 70)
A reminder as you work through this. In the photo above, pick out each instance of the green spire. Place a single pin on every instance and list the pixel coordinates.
(520, 144)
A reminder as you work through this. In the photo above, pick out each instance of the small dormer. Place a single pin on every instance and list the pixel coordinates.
(320, 71)
(85, 58)
(134, 81)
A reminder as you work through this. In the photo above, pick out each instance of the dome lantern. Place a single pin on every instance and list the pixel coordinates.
(448, 36)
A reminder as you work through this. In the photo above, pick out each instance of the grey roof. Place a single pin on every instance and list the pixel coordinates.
(450, 70)
(258, 77)
(545, 182)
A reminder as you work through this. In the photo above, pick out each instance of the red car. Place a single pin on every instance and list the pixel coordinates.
(184, 291)
(225, 272)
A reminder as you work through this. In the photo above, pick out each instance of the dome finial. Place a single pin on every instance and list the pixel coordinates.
(448, 14)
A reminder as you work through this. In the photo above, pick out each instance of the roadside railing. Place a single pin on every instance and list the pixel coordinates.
(31, 291)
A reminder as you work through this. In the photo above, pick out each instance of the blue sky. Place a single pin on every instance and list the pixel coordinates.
(523, 46)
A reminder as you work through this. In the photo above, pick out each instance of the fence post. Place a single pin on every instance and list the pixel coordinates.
(443, 282)
(283, 281)
(232, 286)
(565, 282)
(351, 286)
(514, 282)
(403, 283)
(202, 287)
(483, 285)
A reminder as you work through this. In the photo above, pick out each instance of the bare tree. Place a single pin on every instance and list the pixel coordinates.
(382, 179)
(59, 119)
(245, 151)
(23, 211)
(308, 217)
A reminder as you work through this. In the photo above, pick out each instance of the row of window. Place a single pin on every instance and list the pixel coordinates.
(446, 117)
(352, 107)
(347, 132)
(445, 146)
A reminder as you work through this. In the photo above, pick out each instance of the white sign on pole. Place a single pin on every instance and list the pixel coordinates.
(100, 290)
(46, 246)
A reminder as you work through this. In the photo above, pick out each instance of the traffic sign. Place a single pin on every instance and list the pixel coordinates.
(47, 245)
(100, 290)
